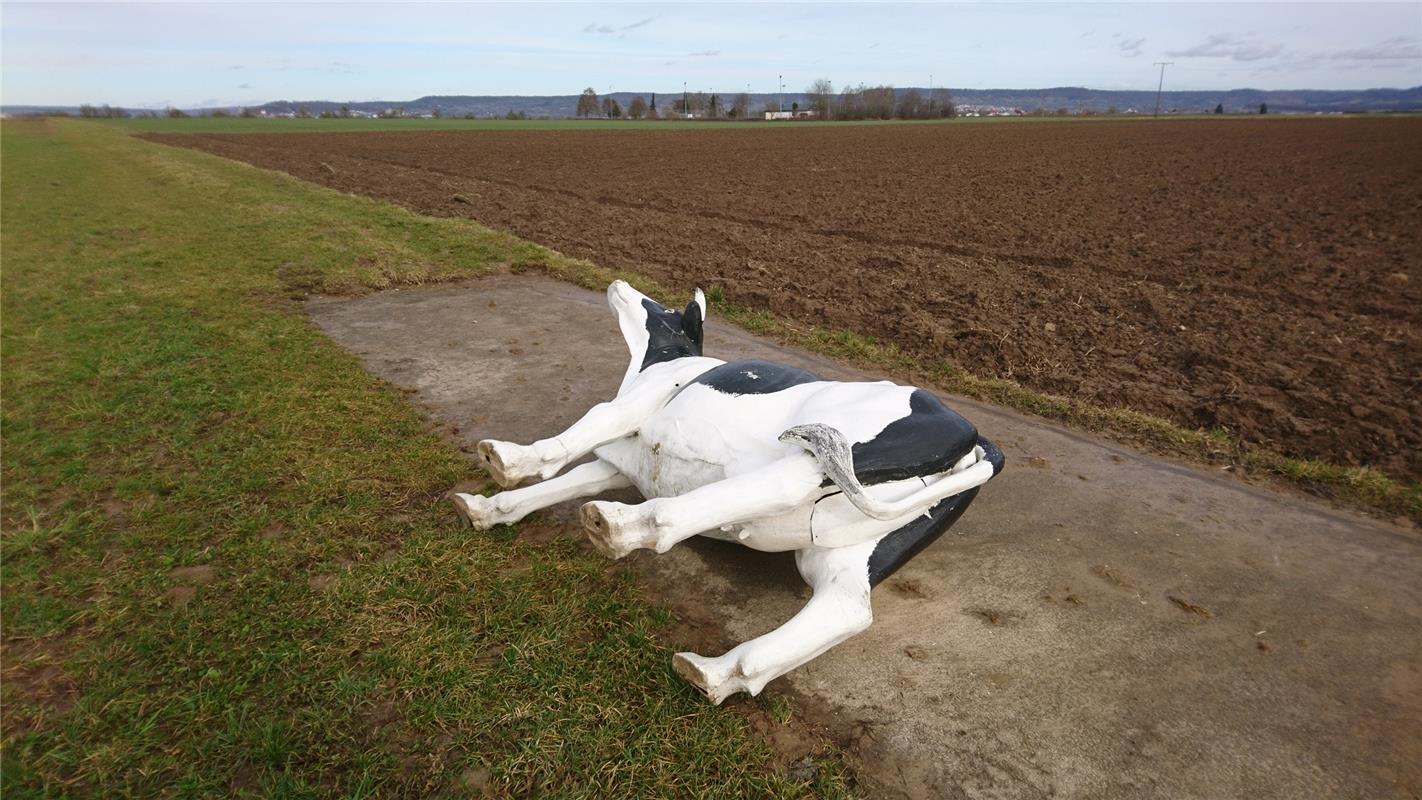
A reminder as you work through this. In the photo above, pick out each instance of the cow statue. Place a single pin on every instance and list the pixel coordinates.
(856, 478)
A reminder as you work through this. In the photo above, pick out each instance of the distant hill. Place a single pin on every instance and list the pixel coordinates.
(1077, 99)
(1071, 98)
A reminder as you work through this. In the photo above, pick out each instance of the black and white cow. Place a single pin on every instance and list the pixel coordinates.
(856, 478)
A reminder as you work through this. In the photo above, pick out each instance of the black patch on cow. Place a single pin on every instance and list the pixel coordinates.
(895, 550)
(754, 377)
(928, 441)
(671, 334)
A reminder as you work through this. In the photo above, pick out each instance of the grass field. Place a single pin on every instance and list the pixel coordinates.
(317, 125)
(227, 567)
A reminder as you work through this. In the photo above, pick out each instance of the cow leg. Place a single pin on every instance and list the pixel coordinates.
(617, 529)
(509, 464)
(506, 508)
(838, 610)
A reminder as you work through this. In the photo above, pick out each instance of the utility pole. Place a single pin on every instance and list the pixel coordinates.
(930, 94)
(1161, 85)
(782, 93)
(685, 107)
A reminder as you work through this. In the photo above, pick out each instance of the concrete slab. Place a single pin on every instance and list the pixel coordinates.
(1100, 624)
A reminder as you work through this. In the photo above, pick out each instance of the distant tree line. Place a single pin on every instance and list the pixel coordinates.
(104, 111)
(878, 102)
(852, 103)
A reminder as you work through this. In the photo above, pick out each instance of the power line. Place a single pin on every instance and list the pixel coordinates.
(1161, 85)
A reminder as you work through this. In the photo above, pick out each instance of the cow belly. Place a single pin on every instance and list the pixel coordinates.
(703, 435)
(659, 471)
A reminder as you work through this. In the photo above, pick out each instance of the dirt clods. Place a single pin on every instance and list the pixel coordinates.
(1189, 607)
(197, 574)
(179, 596)
(1106, 573)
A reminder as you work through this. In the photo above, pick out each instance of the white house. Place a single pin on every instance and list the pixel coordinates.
(801, 114)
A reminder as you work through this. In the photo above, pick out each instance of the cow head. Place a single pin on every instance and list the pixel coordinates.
(655, 333)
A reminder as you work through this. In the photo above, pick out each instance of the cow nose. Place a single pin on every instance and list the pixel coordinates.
(620, 290)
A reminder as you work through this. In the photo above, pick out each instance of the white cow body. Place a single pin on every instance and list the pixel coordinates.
(761, 459)
(702, 436)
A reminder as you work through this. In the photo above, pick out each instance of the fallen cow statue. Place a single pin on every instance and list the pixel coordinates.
(856, 478)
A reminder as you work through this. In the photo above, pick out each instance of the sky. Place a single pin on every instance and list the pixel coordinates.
(207, 54)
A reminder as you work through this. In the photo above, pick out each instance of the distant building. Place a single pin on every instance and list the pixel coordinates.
(802, 114)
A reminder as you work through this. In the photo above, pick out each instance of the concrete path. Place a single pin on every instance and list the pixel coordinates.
(1100, 624)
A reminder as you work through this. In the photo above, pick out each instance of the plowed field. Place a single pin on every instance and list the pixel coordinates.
(1260, 276)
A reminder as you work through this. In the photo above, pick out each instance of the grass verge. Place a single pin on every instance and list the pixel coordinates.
(227, 568)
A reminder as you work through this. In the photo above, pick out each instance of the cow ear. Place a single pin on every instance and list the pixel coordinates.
(691, 322)
(699, 297)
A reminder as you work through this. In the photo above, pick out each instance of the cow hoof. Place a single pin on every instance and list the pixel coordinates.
(615, 529)
(501, 466)
(697, 671)
(475, 511)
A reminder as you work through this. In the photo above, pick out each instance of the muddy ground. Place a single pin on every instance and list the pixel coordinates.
(1100, 623)
(1262, 276)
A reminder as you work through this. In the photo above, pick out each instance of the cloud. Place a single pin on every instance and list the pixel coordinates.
(593, 27)
(244, 86)
(1396, 48)
(1223, 45)
(1084, 35)
(705, 53)
(1130, 48)
(235, 66)
(1399, 53)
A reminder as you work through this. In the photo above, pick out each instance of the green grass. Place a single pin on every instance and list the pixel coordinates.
(167, 406)
(316, 125)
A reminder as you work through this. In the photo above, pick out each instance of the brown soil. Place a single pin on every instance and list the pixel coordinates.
(33, 674)
(1264, 277)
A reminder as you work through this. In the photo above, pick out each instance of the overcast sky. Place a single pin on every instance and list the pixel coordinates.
(196, 54)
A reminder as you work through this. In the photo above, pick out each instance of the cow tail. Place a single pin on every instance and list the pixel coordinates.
(835, 456)
(833, 453)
